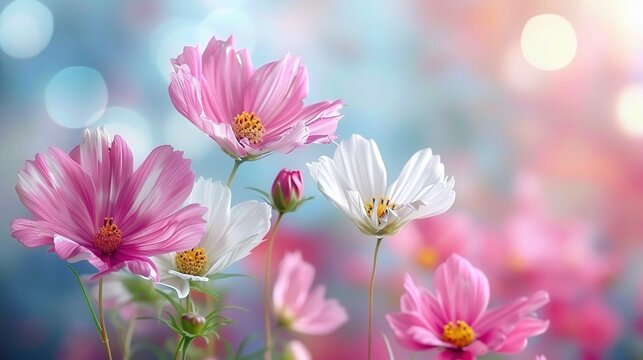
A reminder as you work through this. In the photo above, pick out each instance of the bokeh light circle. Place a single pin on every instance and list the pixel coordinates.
(26, 27)
(629, 110)
(170, 37)
(75, 95)
(131, 126)
(548, 42)
(168, 41)
(183, 135)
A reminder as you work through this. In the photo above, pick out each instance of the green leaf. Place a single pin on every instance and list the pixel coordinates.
(200, 287)
(219, 276)
(176, 304)
(265, 195)
(87, 300)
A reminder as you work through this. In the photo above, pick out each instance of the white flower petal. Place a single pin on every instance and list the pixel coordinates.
(356, 175)
(188, 277)
(422, 169)
(360, 165)
(181, 286)
(434, 200)
(216, 197)
(357, 214)
(249, 224)
(165, 262)
(329, 183)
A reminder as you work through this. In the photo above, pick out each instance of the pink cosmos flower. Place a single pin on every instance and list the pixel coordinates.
(456, 318)
(91, 205)
(297, 307)
(248, 112)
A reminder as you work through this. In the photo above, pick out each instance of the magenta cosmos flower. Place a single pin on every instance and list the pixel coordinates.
(297, 307)
(456, 319)
(91, 205)
(248, 112)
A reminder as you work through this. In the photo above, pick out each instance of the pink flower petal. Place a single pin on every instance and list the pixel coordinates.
(516, 341)
(462, 290)
(190, 57)
(154, 191)
(58, 191)
(276, 93)
(319, 316)
(180, 231)
(73, 252)
(420, 301)
(108, 164)
(185, 94)
(321, 120)
(226, 73)
(508, 315)
(33, 233)
(294, 138)
(143, 267)
(293, 283)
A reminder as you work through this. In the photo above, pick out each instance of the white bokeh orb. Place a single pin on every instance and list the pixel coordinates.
(74, 96)
(26, 27)
(548, 42)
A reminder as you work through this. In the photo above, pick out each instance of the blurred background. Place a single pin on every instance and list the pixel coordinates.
(536, 108)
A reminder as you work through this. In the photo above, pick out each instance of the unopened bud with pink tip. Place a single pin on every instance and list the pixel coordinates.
(287, 191)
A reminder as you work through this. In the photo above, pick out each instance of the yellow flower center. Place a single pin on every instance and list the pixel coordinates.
(248, 126)
(427, 257)
(192, 262)
(109, 237)
(381, 207)
(459, 334)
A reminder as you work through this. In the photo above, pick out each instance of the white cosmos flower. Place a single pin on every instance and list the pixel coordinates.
(354, 181)
(231, 233)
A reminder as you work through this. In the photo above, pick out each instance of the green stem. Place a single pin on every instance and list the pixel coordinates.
(370, 296)
(86, 297)
(101, 317)
(266, 289)
(188, 306)
(129, 334)
(235, 167)
(178, 348)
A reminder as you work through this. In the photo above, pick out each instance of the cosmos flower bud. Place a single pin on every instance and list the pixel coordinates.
(287, 190)
(192, 323)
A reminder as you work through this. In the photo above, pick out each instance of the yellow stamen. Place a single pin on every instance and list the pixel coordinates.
(192, 262)
(248, 126)
(109, 237)
(459, 334)
(382, 207)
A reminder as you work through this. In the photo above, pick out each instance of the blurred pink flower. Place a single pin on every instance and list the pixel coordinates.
(457, 321)
(587, 320)
(429, 242)
(297, 307)
(249, 113)
(91, 205)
